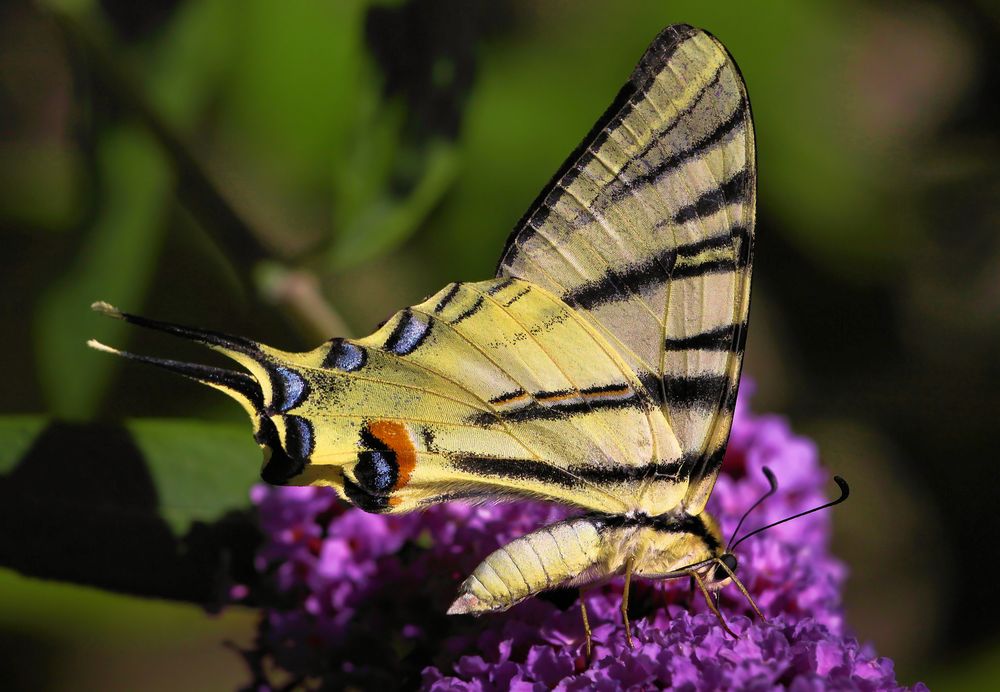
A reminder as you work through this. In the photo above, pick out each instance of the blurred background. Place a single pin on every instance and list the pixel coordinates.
(295, 170)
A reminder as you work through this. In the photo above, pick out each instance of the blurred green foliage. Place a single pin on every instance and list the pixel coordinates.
(117, 258)
(294, 170)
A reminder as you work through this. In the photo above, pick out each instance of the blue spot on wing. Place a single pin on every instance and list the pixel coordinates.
(298, 437)
(280, 467)
(290, 389)
(377, 471)
(408, 334)
(343, 355)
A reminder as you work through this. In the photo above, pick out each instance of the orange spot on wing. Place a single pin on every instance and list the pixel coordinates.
(517, 399)
(510, 399)
(395, 436)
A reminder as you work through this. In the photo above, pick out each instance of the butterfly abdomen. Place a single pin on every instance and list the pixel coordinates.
(568, 553)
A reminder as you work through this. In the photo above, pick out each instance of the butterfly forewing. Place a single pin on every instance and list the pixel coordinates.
(647, 232)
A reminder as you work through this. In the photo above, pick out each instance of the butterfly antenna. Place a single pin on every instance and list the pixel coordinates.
(773, 482)
(845, 491)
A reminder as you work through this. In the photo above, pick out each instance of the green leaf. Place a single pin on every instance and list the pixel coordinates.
(153, 507)
(200, 470)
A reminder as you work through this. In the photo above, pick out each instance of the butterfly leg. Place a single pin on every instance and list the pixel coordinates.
(628, 581)
(743, 589)
(586, 623)
(711, 606)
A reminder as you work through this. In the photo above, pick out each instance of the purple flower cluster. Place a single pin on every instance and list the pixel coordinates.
(358, 599)
(674, 649)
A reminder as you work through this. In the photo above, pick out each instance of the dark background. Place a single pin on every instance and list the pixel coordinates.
(298, 169)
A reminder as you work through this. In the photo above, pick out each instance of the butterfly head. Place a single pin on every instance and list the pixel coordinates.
(716, 565)
(722, 570)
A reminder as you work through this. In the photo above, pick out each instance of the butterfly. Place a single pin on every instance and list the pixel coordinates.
(598, 369)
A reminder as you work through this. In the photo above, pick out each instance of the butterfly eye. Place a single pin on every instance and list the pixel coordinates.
(720, 573)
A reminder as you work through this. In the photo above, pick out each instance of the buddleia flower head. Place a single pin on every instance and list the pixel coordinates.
(359, 599)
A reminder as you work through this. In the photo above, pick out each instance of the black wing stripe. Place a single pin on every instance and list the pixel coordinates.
(537, 411)
(448, 297)
(657, 269)
(653, 61)
(721, 132)
(713, 266)
(517, 296)
(476, 307)
(734, 189)
(508, 397)
(694, 468)
(719, 339)
(701, 392)
(499, 286)
(657, 141)
(571, 477)
(550, 405)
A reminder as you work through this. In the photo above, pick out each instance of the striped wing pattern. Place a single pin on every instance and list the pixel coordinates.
(485, 390)
(599, 369)
(647, 232)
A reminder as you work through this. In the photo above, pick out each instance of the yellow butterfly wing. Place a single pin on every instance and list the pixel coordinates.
(486, 390)
(599, 369)
(647, 231)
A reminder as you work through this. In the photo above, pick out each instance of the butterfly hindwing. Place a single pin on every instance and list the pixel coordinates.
(647, 231)
(485, 390)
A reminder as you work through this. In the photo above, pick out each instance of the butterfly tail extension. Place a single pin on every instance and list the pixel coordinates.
(568, 553)
(269, 389)
(247, 353)
(244, 388)
(239, 386)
